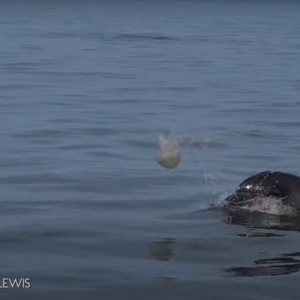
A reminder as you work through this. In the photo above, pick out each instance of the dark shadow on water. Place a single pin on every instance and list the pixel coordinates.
(286, 263)
(161, 250)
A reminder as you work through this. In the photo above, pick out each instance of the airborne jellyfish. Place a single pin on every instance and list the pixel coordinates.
(169, 156)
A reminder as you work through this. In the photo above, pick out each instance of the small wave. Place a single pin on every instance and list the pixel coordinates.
(281, 265)
(130, 37)
(144, 36)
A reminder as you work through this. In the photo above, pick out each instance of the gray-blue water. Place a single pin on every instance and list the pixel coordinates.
(86, 88)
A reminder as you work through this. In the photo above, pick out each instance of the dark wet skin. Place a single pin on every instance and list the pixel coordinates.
(279, 185)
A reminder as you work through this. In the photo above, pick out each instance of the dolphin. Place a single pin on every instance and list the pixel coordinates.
(267, 189)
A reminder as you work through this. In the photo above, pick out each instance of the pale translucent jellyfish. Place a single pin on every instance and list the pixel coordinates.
(169, 156)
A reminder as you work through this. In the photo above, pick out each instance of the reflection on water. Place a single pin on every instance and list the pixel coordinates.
(161, 250)
(261, 220)
(286, 264)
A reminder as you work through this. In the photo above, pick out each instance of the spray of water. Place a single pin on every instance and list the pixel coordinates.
(270, 205)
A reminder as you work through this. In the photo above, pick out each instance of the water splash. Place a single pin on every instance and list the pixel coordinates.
(267, 205)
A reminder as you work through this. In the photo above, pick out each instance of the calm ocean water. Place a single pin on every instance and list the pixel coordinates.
(86, 88)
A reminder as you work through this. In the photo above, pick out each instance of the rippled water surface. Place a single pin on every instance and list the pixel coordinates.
(86, 88)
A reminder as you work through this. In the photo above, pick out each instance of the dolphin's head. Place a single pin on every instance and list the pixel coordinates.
(268, 192)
